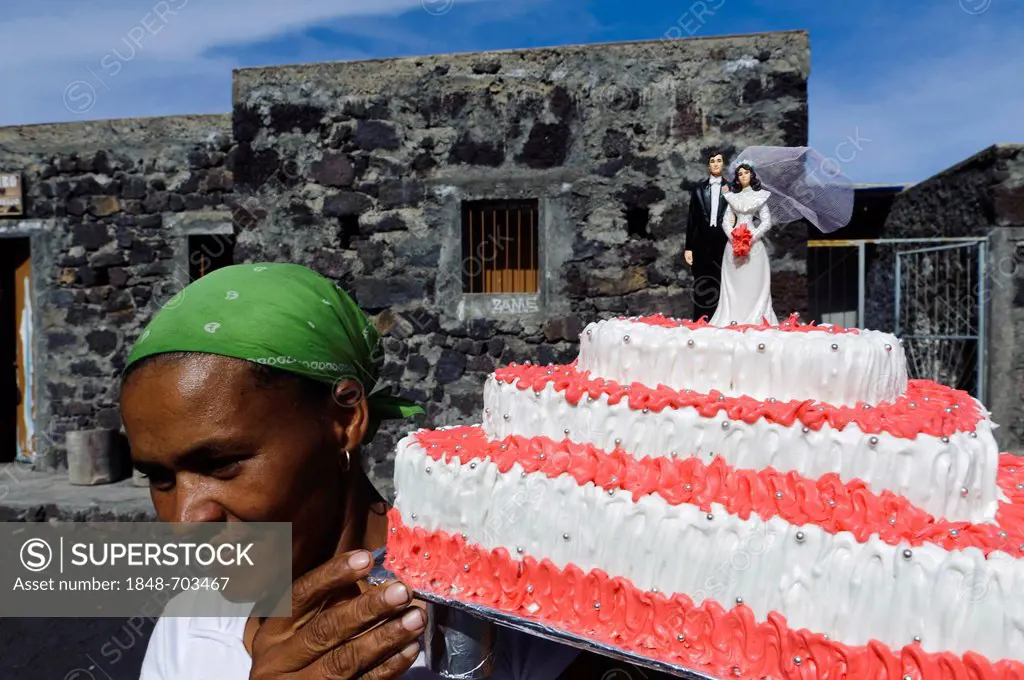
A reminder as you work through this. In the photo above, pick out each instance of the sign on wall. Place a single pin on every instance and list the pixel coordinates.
(10, 194)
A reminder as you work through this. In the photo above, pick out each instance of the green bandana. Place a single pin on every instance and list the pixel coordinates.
(282, 315)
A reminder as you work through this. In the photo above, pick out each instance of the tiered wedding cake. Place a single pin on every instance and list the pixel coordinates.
(748, 501)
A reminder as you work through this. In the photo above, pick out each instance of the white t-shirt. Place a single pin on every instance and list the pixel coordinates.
(211, 648)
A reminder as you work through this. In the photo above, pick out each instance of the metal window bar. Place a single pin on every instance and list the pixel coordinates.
(501, 256)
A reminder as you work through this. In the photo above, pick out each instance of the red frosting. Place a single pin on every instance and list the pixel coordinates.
(925, 408)
(705, 637)
(826, 502)
(790, 325)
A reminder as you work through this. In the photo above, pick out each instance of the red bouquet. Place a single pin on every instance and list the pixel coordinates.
(741, 241)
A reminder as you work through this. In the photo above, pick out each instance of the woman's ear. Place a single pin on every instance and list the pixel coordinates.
(351, 413)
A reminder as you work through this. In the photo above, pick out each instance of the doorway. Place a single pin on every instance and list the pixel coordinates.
(16, 407)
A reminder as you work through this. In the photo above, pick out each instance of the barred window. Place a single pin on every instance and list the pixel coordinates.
(209, 252)
(499, 246)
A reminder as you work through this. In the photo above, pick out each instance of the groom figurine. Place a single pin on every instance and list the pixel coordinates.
(705, 240)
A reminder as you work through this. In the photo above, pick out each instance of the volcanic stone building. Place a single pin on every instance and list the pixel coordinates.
(483, 206)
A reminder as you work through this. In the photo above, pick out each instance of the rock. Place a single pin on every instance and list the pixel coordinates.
(157, 201)
(450, 367)
(288, 117)
(480, 364)
(346, 203)
(424, 162)
(392, 371)
(118, 276)
(417, 366)
(639, 253)
(371, 254)
(488, 66)
(385, 224)
(86, 368)
(102, 342)
(76, 206)
(109, 418)
(672, 223)
(374, 293)
(547, 146)
(134, 188)
(400, 193)
(141, 253)
(470, 347)
(615, 144)
(419, 252)
(176, 203)
(374, 134)
(91, 236)
(59, 340)
(333, 170)
(565, 328)
(217, 179)
(113, 258)
(495, 346)
(470, 152)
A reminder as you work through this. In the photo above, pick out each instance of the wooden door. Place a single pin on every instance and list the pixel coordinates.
(23, 358)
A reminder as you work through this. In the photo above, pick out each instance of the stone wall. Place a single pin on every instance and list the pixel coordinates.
(981, 196)
(359, 170)
(108, 206)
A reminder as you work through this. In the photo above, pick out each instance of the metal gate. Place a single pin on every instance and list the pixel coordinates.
(931, 293)
(940, 303)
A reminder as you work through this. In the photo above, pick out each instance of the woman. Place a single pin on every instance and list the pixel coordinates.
(746, 296)
(247, 399)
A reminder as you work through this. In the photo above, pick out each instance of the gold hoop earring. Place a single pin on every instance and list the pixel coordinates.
(348, 461)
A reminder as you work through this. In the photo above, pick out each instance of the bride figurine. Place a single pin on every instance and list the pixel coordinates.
(746, 295)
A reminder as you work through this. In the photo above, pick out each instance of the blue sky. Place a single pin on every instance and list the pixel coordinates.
(922, 84)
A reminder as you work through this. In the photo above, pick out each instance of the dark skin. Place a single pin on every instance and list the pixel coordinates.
(220, 446)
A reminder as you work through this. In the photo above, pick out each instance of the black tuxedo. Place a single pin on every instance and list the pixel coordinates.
(707, 244)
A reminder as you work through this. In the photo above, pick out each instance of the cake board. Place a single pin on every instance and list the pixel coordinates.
(487, 615)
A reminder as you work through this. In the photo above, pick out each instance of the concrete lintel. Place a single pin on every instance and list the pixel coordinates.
(19, 228)
(525, 306)
(200, 222)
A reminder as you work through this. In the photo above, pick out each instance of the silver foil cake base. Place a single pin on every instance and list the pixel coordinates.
(460, 636)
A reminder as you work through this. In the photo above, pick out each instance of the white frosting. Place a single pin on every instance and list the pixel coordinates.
(855, 592)
(867, 367)
(931, 474)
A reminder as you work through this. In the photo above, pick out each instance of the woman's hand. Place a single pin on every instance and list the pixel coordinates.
(368, 635)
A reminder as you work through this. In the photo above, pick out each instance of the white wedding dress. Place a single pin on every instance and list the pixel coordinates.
(746, 295)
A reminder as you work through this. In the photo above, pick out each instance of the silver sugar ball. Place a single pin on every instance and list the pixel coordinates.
(710, 516)
(428, 470)
(945, 440)
(954, 533)
(739, 600)
(806, 429)
(760, 347)
(529, 589)
(835, 347)
(506, 416)
(565, 536)
(426, 556)
(888, 348)
(465, 567)
(597, 605)
(778, 494)
(873, 441)
(725, 424)
(797, 660)
(800, 537)
(907, 554)
(964, 491)
(625, 339)
(690, 342)
(472, 466)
